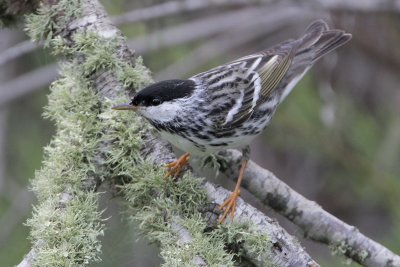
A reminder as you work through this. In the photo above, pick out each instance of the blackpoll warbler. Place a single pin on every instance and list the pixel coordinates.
(227, 106)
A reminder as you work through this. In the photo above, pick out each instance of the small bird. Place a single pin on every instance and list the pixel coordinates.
(228, 106)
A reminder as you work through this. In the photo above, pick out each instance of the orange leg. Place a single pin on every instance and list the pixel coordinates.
(175, 167)
(229, 205)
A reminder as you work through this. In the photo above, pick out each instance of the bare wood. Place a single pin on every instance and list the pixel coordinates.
(317, 224)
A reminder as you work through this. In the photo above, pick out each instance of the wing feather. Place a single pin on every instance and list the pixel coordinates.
(268, 75)
(254, 78)
(237, 89)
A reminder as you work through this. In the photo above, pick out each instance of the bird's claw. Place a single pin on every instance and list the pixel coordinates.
(176, 167)
(229, 206)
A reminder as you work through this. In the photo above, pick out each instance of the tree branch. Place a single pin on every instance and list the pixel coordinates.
(285, 251)
(317, 224)
(184, 238)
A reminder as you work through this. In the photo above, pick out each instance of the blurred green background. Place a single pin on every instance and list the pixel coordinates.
(336, 139)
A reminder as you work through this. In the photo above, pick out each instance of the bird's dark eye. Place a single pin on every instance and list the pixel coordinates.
(134, 102)
(156, 102)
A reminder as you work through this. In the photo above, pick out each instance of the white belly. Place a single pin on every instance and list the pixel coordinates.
(181, 143)
(188, 146)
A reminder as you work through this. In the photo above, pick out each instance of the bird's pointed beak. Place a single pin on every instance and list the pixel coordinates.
(124, 107)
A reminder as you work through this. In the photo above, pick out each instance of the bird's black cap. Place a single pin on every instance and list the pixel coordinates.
(160, 92)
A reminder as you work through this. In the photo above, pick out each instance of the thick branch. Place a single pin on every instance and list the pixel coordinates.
(316, 223)
(184, 237)
(286, 249)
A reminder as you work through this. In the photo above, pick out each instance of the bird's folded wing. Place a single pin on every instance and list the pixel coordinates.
(243, 85)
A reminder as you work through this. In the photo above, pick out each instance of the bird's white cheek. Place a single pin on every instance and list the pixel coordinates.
(162, 113)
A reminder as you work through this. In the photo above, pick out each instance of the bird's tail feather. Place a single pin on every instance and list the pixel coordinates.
(329, 41)
(318, 40)
(312, 34)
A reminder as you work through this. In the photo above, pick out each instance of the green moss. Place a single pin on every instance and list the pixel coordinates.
(102, 53)
(68, 234)
(47, 22)
(346, 250)
(66, 221)
(209, 247)
(66, 224)
(136, 77)
(245, 240)
(154, 216)
(152, 201)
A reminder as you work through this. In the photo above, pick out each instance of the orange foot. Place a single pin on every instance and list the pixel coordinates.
(175, 167)
(229, 205)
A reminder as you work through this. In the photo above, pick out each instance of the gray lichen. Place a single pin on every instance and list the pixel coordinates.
(66, 220)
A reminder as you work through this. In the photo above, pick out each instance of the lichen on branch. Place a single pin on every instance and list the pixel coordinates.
(66, 221)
